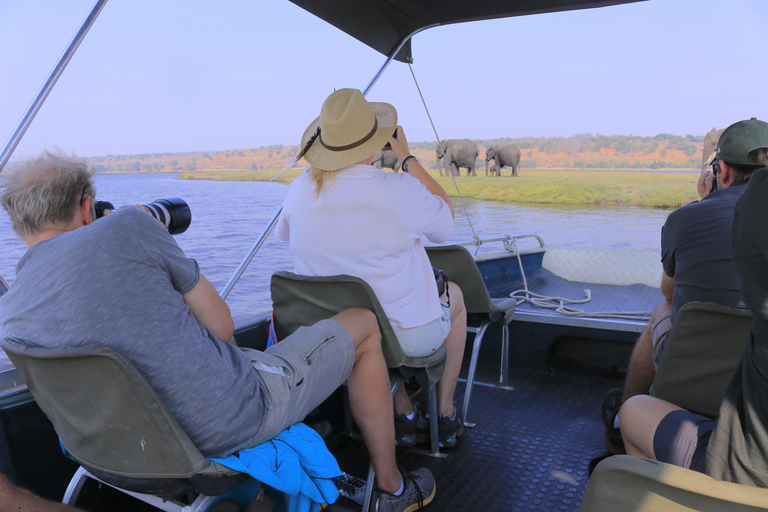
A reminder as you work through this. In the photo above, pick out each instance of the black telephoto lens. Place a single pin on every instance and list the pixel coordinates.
(173, 213)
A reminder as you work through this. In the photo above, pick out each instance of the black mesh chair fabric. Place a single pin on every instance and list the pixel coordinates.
(700, 356)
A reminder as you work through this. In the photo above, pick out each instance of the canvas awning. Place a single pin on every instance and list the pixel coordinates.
(383, 24)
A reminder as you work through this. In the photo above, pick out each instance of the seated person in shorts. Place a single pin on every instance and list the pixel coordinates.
(734, 446)
(698, 262)
(121, 281)
(345, 216)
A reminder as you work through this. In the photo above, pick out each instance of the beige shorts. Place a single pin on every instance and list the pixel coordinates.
(425, 339)
(659, 332)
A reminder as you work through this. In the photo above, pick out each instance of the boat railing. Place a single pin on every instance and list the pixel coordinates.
(509, 246)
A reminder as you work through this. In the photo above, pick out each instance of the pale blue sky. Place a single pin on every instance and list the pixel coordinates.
(164, 76)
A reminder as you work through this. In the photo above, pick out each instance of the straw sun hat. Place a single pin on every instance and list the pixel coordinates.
(349, 130)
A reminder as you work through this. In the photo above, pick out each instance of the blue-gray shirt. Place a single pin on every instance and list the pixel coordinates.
(119, 283)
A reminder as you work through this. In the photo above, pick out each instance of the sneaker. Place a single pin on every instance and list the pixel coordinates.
(449, 429)
(409, 432)
(608, 412)
(419, 490)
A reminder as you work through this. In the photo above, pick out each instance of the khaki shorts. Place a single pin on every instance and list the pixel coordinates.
(659, 332)
(300, 372)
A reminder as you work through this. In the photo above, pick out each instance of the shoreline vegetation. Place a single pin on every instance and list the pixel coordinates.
(581, 151)
(581, 169)
(664, 190)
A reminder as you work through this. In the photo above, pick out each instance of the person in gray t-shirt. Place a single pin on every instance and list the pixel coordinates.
(121, 281)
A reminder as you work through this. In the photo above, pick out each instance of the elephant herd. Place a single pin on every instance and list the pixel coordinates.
(458, 153)
(454, 154)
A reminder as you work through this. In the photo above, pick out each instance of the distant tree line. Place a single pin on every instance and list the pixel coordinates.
(581, 151)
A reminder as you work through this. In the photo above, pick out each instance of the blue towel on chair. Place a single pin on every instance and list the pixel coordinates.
(296, 462)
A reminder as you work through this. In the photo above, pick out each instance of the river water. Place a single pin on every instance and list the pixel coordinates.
(227, 217)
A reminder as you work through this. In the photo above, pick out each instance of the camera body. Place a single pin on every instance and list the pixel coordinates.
(388, 145)
(173, 213)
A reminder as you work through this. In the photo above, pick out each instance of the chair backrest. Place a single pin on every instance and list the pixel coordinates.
(460, 267)
(304, 300)
(106, 414)
(630, 484)
(700, 356)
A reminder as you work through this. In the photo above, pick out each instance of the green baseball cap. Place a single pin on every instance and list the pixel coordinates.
(739, 139)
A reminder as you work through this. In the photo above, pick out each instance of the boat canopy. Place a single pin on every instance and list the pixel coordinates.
(385, 24)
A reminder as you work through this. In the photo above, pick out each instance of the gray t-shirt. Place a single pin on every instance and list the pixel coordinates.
(696, 250)
(119, 283)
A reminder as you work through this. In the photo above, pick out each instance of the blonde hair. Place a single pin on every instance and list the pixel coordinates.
(320, 178)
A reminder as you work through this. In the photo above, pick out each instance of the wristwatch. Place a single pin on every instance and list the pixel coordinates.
(405, 163)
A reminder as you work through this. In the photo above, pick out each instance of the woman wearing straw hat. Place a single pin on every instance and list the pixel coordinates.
(345, 216)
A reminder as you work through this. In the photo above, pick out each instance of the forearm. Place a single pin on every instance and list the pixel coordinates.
(667, 287)
(210, 309)
(416, 170)
(399, 145)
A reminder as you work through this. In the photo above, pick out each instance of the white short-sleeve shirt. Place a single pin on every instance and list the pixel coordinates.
(369, 223)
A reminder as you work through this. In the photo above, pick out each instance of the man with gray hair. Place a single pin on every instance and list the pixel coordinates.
(121, 281)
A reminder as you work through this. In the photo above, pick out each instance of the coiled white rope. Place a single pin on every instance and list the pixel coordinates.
(561, 305)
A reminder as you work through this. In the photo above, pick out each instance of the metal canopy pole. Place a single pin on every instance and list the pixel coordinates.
(262, 238)
(3, 285)
(53, 76)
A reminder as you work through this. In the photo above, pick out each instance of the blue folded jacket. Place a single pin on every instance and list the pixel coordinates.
(296, 462)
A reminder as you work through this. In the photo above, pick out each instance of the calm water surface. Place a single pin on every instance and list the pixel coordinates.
(227, 217)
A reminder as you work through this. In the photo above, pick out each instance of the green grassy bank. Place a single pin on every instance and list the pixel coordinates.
(653, 190)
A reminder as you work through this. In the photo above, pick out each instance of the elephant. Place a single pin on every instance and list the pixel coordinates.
(457, 153)
(503, 155)
(386, 159)
(710, 145)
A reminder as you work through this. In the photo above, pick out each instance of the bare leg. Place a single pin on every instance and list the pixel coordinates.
(13, 499)
(640, 417)
(403, 404)
(454, 345)
(370, 396)
(641, 368)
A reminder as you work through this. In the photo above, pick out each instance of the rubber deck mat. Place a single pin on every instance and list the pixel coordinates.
(529, 450)
(604, 297)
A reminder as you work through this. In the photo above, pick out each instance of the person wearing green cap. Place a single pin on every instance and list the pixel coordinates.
(697, 260)
(660, 430)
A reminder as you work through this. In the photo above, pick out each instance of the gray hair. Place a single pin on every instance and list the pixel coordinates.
(45, 192)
